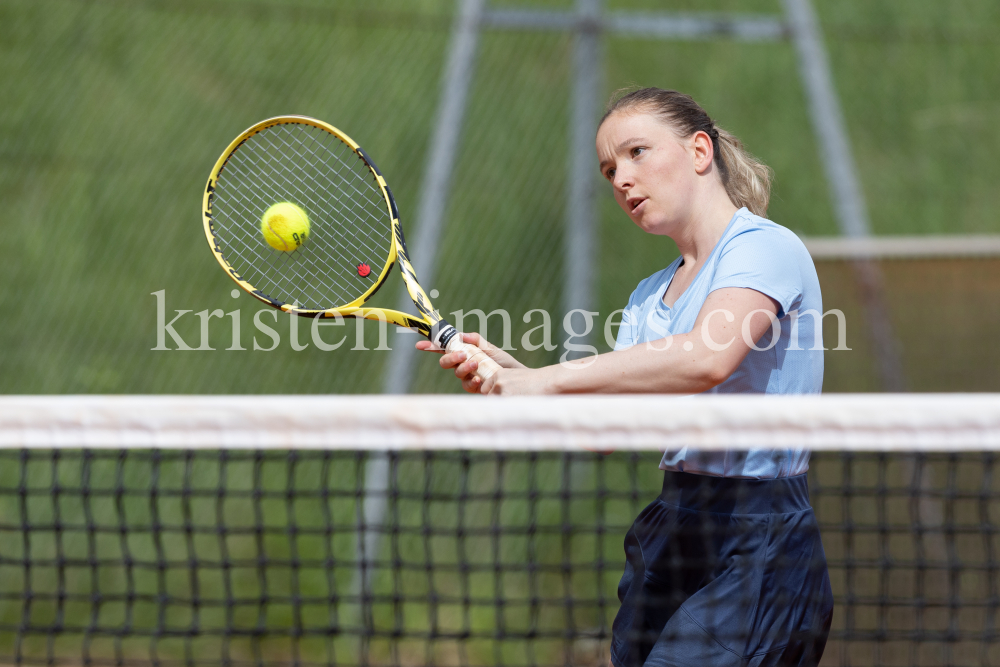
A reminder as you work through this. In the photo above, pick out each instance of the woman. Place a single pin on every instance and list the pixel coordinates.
(726, 566)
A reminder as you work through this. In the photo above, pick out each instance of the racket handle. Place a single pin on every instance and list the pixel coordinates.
(487, 367)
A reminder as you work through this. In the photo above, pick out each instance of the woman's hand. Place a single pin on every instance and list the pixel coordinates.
(518, 382)
(466, 370)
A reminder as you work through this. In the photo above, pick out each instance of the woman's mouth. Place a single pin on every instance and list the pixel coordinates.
(636, 205)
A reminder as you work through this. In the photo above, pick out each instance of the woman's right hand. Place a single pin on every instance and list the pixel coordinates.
(466, 370)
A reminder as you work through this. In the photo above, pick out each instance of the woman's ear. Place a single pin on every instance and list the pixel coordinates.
(703, 151)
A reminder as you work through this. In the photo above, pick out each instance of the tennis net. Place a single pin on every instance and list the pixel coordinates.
(457, 531)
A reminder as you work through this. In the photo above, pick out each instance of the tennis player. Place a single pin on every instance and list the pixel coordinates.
(726, 566)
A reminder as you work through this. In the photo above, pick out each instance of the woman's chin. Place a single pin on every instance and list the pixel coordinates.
(650, 226)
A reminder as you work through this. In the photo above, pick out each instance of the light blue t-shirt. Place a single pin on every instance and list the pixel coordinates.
(758, 254)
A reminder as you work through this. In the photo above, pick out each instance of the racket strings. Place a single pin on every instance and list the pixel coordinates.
(346, 203)
(351, 177)
(316, 202)
(272, 266)
(317, 274)
(349, 220)
(280, 274)
(347, 169)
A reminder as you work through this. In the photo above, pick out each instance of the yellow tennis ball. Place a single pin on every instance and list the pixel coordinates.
(285, 226)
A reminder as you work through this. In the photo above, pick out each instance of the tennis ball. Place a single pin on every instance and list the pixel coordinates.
(285, 226)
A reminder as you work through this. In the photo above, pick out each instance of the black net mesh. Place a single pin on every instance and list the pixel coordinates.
(457, 558)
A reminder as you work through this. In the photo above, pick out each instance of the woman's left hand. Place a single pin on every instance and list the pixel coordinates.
(518, 382)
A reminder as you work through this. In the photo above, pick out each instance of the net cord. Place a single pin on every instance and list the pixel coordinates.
(872, 422)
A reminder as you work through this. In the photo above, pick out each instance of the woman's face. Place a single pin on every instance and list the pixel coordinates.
(653, 171)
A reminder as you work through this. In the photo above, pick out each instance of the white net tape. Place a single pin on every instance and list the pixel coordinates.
(926, 422)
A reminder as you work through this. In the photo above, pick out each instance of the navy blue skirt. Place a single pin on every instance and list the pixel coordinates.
(722, 571)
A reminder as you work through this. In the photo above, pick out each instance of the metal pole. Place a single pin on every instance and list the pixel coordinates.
(845, 187)
(579, 256)
(423, 245)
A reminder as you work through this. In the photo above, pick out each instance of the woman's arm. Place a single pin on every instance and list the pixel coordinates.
(686, 364)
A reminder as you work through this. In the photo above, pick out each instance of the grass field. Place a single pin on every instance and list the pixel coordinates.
(115, 111)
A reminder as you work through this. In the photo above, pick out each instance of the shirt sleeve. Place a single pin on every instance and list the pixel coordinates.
(627, 328)
(763, 260)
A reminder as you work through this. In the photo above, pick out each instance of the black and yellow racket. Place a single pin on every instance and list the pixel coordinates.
(301, 218)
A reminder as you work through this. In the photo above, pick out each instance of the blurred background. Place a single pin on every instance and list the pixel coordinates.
(114, 111)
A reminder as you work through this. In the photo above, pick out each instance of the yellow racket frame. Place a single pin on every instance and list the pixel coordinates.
(429, 317)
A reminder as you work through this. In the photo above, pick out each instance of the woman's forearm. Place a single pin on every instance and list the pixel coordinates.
(644, 368)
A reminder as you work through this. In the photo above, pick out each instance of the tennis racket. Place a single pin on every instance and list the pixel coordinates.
(354, 234)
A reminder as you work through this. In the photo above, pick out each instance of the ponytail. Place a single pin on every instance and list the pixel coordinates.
(746, 179)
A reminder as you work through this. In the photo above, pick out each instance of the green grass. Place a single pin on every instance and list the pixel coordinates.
(922, 101)
(115, 111)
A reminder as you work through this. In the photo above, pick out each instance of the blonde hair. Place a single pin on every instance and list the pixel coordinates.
(746, 179)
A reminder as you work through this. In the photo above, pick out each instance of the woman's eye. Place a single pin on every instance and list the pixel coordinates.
(636, 151)
(610, 174)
